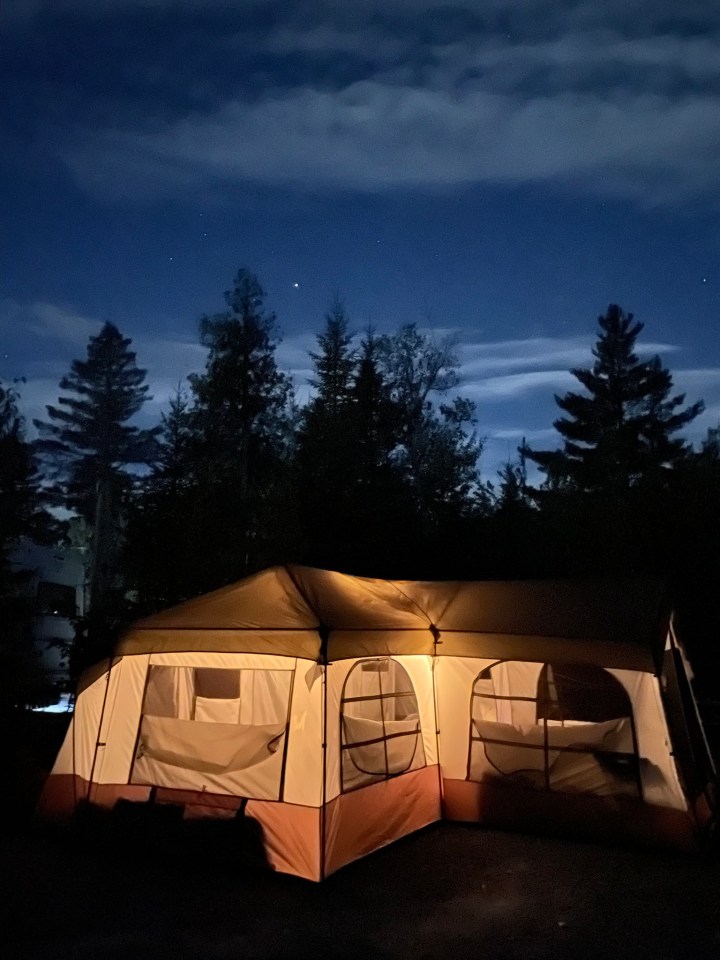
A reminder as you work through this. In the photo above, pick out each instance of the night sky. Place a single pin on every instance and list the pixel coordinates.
(500, 170)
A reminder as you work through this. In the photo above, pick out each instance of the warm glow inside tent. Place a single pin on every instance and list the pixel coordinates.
(349, 712)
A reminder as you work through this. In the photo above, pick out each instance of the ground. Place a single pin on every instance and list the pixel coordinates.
(449, 891)
(452, 891)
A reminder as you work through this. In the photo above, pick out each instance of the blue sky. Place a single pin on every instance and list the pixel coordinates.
(498, 171)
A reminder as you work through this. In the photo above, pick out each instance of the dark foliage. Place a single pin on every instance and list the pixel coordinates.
(23, 681)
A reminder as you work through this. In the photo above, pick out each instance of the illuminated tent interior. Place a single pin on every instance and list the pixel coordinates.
(342, 713)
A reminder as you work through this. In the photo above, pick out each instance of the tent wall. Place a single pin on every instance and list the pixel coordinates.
(360, 819)
(102, 745)
(476, 786)
(94, 760)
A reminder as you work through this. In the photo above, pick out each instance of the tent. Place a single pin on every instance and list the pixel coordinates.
(342, 713)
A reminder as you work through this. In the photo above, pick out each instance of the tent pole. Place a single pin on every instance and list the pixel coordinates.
(98, 744)
(324, 637)
(74, 755)
(436, 640)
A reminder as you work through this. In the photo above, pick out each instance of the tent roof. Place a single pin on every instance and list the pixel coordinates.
(316, 614)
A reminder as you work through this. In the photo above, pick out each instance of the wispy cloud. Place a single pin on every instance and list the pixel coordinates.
(374, 135)
(515, 386)
(580, 100)
(483, 359)
(44, 321)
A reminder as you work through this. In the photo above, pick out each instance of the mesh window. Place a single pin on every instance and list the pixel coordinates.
(561, 726)
(580, 691)
(217, 684)
(380, 723)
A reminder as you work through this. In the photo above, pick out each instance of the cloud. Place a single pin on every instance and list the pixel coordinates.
(34, 396)
(51, 322)
(501, 446)
(699, 384)
(46, 321)
(516, 385)
(482, 359)
(371, 96)
(375, 135)
(697, 378)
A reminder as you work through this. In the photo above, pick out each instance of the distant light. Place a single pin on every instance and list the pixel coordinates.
(296, 285)
(64, 705)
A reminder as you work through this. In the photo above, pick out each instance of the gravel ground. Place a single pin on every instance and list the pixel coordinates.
(450, 891)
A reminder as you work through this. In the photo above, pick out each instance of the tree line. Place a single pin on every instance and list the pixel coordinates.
(377, 474)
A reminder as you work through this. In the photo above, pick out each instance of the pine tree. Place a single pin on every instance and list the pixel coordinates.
(89, 443)
(375, 418)
(161, 550)
(382, 526)
(242, 400)
(242, 427)
(334, 364)
(619, 433)
(326, 444)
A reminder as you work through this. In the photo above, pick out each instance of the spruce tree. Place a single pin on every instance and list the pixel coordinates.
(242, 400)
(375, 418)
(326, 444)
(88, 445)
(619, 433)
(334, 364)
(242, 436)
(383, 527)
(161, 551)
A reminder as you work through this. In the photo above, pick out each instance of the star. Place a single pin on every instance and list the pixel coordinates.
(296, 285)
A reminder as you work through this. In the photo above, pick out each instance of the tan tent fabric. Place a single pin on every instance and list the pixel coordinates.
(540, 648)
(267, 599)
(622, 612)
(286, 611)
(301, 643)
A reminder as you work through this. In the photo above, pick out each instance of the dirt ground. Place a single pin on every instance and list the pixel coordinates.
(450, 891)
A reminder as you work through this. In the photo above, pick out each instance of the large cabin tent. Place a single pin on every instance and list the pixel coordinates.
(342, 713)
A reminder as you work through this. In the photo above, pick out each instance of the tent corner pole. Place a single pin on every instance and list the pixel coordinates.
(324, 634)
(433, 662)
(98, 744)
